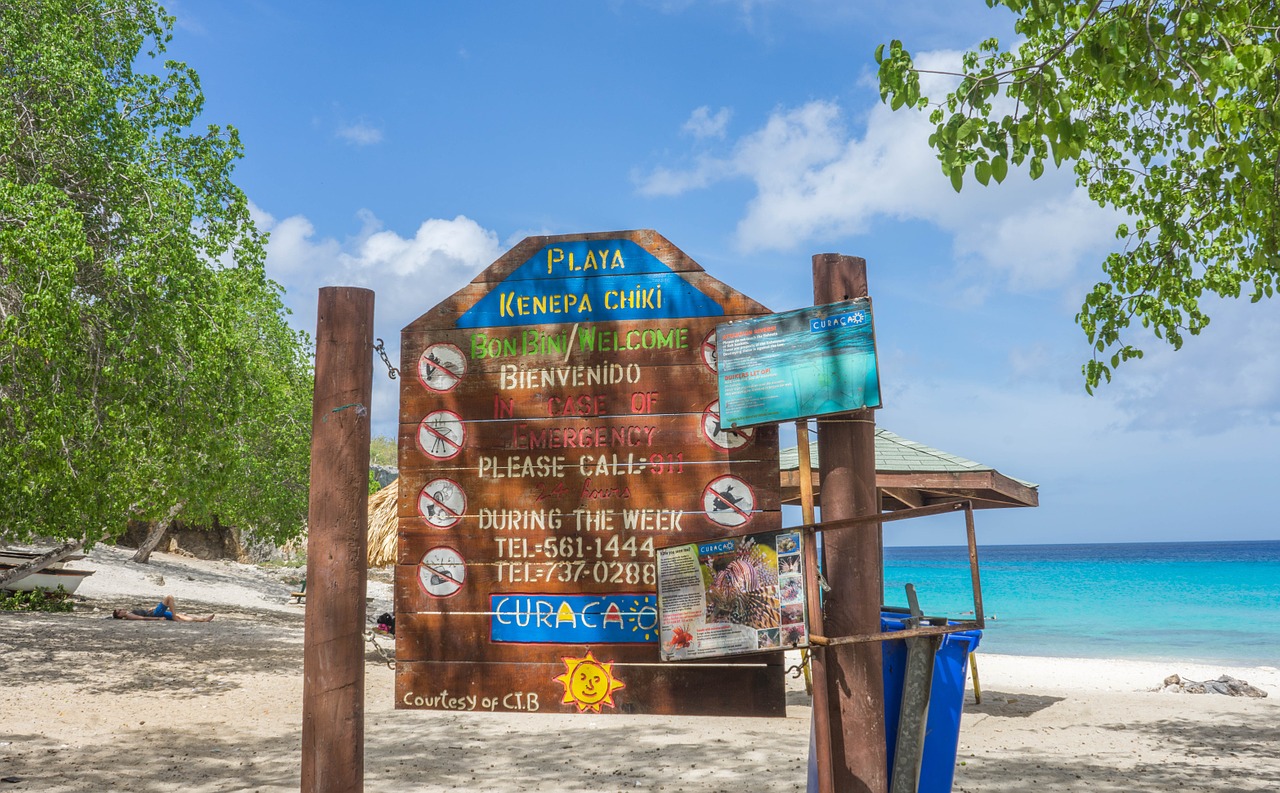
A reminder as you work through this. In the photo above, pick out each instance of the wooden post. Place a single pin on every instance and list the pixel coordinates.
(821, 720)
(337, 535)
(855, 686)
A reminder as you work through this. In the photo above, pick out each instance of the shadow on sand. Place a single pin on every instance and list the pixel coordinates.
(149, 656)
(1001, 704)
(1249, 737)
(423, 751)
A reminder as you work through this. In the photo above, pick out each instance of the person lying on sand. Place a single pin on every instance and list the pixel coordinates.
(164, 610)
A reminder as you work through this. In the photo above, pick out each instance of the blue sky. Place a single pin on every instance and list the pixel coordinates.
(404, 146)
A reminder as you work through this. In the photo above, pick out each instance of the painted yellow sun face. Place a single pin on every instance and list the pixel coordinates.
(588, 683)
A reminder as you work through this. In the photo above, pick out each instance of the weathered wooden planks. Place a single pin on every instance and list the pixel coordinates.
(552, 368)
(692, 690)
(559, 423)
(439, 437)
(555, 561)
(584, 480)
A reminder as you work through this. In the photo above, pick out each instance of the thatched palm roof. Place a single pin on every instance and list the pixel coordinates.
(382, 525)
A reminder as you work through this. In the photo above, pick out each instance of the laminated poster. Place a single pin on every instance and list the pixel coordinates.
(732, 596)
(808, 362)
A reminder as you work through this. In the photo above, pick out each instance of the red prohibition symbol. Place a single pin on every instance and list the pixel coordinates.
(442, 572)
(728, 501)
(441, 367)
(709, 352)
(441, 435)
(442, 503)
(723, 437)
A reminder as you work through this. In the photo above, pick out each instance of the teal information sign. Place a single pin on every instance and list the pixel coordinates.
(810, 362)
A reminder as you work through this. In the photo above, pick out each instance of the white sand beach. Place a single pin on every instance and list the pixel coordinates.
(88, 703)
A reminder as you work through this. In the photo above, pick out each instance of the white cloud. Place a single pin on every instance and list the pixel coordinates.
(1227, 376)
(702, 123)
(1041, 244)
(409, 275)
(673, 182)
(816, 181)
(359, 133)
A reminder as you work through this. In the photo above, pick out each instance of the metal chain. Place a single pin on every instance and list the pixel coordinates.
(372, 634)
(381, 349)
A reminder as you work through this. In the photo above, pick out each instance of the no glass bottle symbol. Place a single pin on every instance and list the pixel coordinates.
(441, 367)
(728, 501)
(723, 437)
(442, 503)
(441, 434)
(442, 572)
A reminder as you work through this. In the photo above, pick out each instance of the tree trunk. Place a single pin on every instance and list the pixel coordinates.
(36, 565)
(157, 531)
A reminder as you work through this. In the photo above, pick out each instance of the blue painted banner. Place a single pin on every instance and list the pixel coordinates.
(811, 362)
(574, 619)
(603, 280)
(718, 546)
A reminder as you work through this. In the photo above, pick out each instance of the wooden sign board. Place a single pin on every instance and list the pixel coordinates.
(559, 424)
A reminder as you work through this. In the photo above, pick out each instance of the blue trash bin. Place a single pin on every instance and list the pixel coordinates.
(946, 699)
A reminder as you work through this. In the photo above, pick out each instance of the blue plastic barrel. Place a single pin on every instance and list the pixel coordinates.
(946, 700)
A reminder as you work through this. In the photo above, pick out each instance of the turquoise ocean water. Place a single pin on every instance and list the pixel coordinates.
(1210, 602)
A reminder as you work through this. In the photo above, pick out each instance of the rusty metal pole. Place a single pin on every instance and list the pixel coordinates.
(337, 536)
(855, 686)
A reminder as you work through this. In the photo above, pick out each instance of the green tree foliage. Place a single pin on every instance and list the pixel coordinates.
(1170, 113)
(146, 369)
(382, 451)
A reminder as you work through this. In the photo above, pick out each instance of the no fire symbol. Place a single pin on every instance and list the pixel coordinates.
(441, 434)
(442, 503)
(442, 572)
(441, 367)
(728, 501)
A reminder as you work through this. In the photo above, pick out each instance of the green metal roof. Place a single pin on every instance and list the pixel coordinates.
(895, 453)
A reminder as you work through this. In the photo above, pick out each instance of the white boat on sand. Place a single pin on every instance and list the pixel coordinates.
(50, 578)
(12, 557)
